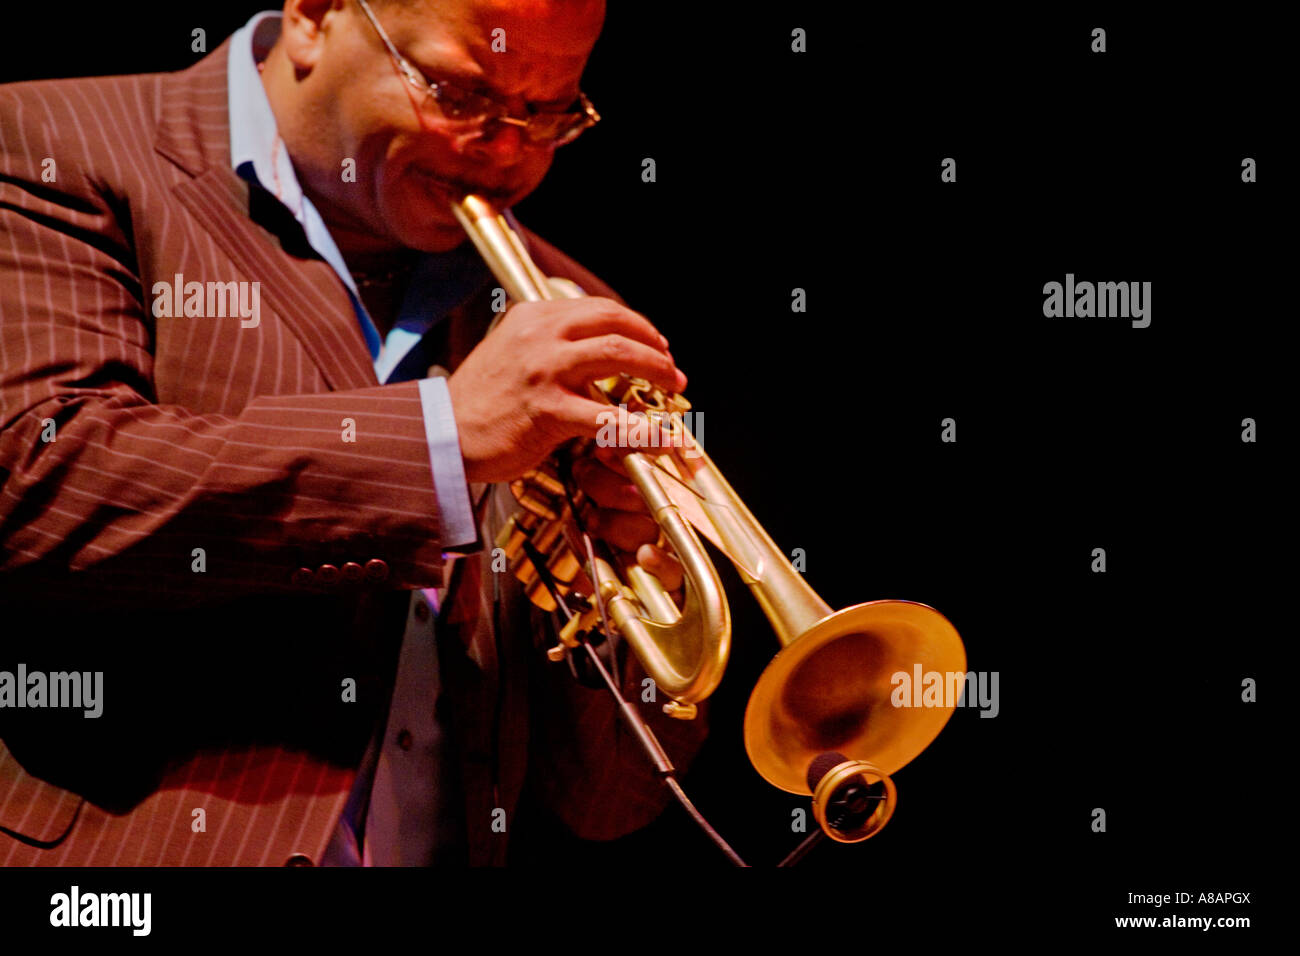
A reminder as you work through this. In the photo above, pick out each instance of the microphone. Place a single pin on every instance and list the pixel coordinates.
(846, 801)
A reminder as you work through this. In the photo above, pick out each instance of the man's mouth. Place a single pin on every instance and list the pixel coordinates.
(453, 192)
(444, 190)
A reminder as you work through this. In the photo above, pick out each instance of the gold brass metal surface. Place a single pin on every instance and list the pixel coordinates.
(684, 652)
(828, 691)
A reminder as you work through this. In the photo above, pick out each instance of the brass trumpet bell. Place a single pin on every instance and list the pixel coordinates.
(830, 690)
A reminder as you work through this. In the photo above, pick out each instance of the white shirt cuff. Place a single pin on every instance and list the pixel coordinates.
(456, 516)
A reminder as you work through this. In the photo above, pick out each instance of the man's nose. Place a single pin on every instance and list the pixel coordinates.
(498, 143)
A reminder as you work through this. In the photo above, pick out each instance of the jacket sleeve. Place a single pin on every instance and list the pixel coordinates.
(108, 497)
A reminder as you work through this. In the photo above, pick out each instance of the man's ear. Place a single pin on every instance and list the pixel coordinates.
(304, 27)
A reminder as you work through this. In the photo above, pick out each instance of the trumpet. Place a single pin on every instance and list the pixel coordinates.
(820, 720)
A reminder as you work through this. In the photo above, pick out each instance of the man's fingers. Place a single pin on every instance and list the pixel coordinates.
(624, 530)
(589, 360)
(604, 316)
(611, 456)
(661, 564)
(606, 487)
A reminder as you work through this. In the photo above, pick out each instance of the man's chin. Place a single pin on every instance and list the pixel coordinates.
(430, 235)
(436, 239)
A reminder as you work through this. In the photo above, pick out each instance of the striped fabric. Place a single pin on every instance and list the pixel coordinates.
(226, 737)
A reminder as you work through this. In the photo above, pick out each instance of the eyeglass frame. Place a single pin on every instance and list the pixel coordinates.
(497, 111)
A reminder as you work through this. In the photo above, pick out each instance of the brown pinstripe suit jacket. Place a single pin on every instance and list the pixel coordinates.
(222, 687)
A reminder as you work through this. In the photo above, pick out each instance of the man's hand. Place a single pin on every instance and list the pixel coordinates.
(620, 516)
(523, 391)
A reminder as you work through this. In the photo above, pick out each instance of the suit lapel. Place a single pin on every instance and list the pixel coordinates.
(305, 293)
(302, 289)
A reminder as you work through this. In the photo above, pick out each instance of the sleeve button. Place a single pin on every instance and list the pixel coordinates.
(376, 570)
(327, 574)
(301, 577)
(353, 571)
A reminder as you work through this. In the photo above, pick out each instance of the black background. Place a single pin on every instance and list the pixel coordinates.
(820, 170)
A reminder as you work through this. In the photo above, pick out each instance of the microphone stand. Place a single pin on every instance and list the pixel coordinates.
(641, 731)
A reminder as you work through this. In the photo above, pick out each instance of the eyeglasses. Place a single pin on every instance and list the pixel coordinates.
(542, 128)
